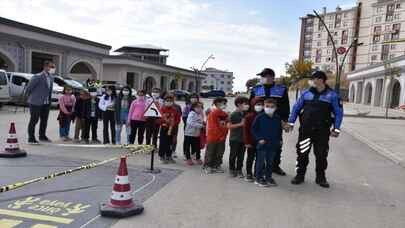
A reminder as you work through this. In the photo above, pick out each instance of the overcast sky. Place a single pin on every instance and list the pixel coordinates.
(244, 36)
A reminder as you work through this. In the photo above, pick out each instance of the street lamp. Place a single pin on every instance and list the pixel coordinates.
(336, 51)
(201, 69)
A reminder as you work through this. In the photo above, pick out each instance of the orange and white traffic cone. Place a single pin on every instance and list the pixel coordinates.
(121, 204)
(12, 149)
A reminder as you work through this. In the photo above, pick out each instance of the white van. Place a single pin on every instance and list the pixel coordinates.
(4, 88)
(18, 82)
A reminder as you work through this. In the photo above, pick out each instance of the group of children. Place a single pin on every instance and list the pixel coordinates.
(254, 128)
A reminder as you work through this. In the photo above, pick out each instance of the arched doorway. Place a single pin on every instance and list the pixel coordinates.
(183, 84)
(352, 93)
(368, 94)
(395, 94)
(82, 71)
(191, 87)
(378, 92)
(173, 84)
(359, 95)
(6, 63)
(148, 84)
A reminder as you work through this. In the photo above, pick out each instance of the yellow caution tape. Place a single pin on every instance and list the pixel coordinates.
(133, 150)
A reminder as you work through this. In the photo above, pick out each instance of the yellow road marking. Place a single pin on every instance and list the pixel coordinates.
(43, 226)
(36, 216)
(8, 223)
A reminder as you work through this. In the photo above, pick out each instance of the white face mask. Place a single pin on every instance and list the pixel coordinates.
(52, 71)
(109, 93)
(222, 107)
(269, 111)
(259, 108)
(141, 97)
(93, 94)
(193, 100)
(125, 93)
(155, 95)
(245, 107)
(263, 80)
(311, 83)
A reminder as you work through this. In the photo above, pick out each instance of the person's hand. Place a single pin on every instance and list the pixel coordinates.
(242, 123)
(288, 127)
(262, 142)
(248, 146)
(335, 133)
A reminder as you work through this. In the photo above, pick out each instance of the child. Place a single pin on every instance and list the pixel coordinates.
(107, 105)
(152, 123)
(92, 114)
(216, 136)
(122, 105)
(78, 117)
(186, 110)
(237, 145)
(266, 131)
(170, 119)
(66, 107)
(257, 107)
(192, 133)
(136, 118)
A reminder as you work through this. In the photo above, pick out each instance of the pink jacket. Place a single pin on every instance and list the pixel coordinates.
(67, 101)
(137, 110)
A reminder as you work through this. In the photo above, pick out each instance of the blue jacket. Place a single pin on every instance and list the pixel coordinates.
(38, 90)
(267, 128)
(318, 109)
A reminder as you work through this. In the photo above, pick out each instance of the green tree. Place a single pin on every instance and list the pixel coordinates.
(251, 83)
(299, 71)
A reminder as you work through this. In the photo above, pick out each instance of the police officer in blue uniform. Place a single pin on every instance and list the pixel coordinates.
(268, 89)
(321, 113)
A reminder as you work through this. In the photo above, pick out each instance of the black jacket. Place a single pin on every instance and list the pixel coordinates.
(83, 108)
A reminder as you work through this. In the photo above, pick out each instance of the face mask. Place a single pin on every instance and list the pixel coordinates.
(52, 71)
(109, 93)
(259, 108)
(198, 110)
(155, 95)
(193, 100)
(141, 97)
(125, 93)
(245, 107)
(168, 103)
(102, 90)
(93, 94)
(311, 83)
(269, 111)
(222, 107)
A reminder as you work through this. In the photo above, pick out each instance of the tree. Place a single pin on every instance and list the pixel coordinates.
(251, 83)
(299, 71)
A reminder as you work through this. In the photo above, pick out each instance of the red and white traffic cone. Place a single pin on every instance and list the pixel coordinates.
(121, 203)
(12, 149)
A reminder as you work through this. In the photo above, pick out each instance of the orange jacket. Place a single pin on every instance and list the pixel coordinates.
(216, 126)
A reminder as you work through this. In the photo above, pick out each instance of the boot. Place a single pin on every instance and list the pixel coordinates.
(321, 181)
(298, 179)
(277, 170)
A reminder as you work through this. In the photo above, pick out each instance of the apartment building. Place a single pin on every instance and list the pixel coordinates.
(218, 80)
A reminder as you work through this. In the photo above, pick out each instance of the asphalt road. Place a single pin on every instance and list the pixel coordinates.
(367, 190)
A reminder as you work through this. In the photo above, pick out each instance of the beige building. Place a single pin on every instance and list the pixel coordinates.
(218, 80)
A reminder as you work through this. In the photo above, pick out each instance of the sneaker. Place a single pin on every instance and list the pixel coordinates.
(209, 170)
(271, 182)
(45, 139)
(96, 141)
(298, 179)
(171, 161)
(199, 162)
(249, 178)
(277, 170)
(33, 142)
(68, 139)
(233, 173)
(85, 141)
(240, 174)
(321, 181)
(189, 162)
(262, 183)
(219, 170)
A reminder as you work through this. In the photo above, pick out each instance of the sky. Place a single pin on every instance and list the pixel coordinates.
(244, 36)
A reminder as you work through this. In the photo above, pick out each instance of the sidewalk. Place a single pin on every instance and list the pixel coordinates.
(386, 136)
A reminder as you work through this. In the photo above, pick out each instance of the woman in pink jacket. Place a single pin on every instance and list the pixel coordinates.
(136, 117)
(65, 117)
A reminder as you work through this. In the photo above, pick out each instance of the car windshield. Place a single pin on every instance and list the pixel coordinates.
(74, 83)
(3, 78)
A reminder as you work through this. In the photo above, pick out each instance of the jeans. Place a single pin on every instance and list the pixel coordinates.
(251, 155)
(214, 154)
(137, 127)
(237, 155)
(119, 126)
(38, 113)
(108, 121)
(192, 143)
(65, 128)
(265, 155)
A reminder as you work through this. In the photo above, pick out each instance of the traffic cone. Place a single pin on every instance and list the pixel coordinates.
(121, 204)
(12, 149)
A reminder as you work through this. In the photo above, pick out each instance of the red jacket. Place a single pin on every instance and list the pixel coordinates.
(170, 116)
(247, 134)
(216, 126)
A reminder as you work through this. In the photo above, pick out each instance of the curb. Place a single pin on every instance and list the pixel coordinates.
(377, 148)
(375, 117)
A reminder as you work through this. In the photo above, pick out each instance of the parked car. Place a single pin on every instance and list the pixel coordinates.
(4, 88)
(76, 86)
(230, 94)
(18, 82)
(180, 94)
(213, 93)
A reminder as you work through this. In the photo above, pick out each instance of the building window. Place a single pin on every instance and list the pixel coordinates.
(398, 6)
(387, 37)
(392, 56)
(379, 9)
(222, 82)
(338, 20)
(377, 29)
(318, 57)
(330, 26)
(229, 76)
(385, 52)
(345, 36)
(393, 46)
(345, 15)
(344, 24)
(378, 19)
(373, 57)
(319, 43)
(222, 76)
(375, 48)
(396, 16)
(390, 12)
(229, 83)
(329, 51)
(387, 27)
(329, 41)
(319, 35)
(376, 38)
(396, 30)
